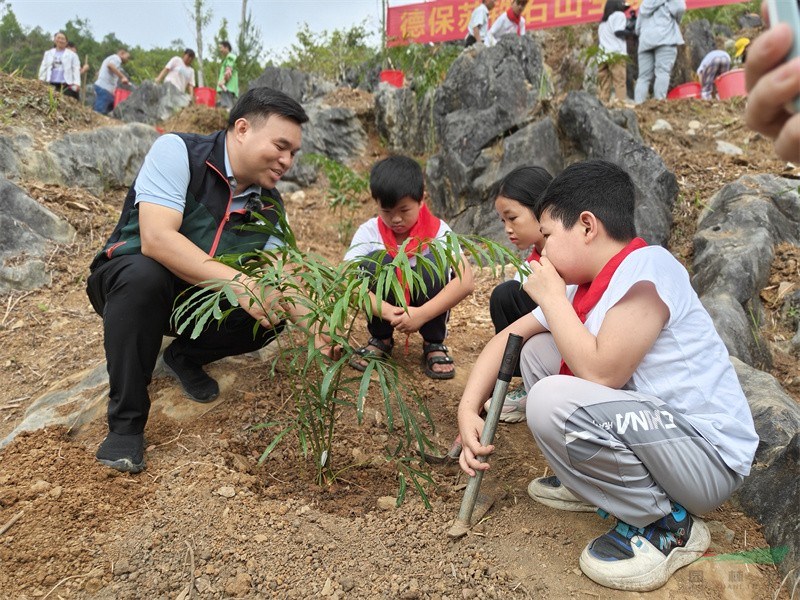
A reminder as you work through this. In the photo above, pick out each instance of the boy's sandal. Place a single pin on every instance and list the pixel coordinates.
(437, 360)
(383, 350)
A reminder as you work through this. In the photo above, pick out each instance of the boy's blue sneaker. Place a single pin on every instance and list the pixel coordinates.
(513, 406)
(644, 558)
(551, 492)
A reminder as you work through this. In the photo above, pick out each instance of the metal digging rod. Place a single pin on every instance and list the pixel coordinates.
(464, 520)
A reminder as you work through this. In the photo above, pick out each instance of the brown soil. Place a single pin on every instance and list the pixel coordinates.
(205, 521)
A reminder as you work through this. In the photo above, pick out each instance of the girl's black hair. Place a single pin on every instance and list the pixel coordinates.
(613, 6)
(525, 185)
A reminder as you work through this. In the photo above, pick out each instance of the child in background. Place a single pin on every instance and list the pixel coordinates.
(611, 35)
(510, 22)
(515, 202)
(633, 399)
(397, 185)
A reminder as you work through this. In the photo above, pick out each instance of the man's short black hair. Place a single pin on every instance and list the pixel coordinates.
(395, 178)
(597, 186)
(525, 185)
(189, 52)
(227, 45)
(261, 102)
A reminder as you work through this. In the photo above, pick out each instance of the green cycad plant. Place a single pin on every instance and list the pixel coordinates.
(331, 299)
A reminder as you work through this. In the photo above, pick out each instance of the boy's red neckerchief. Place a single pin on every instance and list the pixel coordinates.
(516, 19)
(424, 230)
(588, 294)
(534, 256)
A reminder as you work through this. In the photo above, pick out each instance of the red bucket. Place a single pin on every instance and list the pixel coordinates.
(120, 94)
(731, 84)
(205, 95)
(685, 90)
(395, 78)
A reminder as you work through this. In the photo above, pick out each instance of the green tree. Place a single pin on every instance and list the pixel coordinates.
(249, 46)
(330, 54)
(201, 16)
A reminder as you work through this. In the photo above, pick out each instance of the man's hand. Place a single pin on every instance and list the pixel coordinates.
(470, 426)
(257, 302)
(771, 86)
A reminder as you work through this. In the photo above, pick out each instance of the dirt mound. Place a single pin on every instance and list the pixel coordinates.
(34, 105)
(197, 118)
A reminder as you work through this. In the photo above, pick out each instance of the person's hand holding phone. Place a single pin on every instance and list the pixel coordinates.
(773, 80)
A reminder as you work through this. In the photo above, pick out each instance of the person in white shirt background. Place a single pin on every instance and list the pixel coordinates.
(478, 28)
(61, 67)
(179, 72)
(510, 22)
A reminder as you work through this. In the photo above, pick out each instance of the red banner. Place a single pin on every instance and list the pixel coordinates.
(444, 20)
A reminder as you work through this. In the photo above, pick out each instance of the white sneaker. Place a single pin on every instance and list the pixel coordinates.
(550, 492)
(514, 403)
(641, 559)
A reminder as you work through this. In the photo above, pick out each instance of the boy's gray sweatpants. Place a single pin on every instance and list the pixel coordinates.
(656, 62)
(625, 452)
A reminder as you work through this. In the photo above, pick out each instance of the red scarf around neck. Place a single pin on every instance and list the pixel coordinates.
(534, 256)
(516, 19)
(588, 294)
(424, 230)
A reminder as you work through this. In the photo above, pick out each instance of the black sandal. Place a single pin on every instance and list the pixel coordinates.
(384, 350)
(429, 361)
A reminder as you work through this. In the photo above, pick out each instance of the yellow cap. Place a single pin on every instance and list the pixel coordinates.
(740, 45)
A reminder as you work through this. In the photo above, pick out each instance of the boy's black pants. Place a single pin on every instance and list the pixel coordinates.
(135, 295)
(435, 330)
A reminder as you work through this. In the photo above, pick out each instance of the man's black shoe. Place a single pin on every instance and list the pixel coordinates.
(122, 452)
(195, 381)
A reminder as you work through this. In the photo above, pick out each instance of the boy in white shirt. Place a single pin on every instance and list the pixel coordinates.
(510, 22)
(397, 185)
(653, 425)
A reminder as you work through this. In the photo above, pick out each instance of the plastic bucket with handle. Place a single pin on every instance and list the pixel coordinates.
(395, 78)
(685, 90)
(731, 84)
(120, 95)
(206, 96)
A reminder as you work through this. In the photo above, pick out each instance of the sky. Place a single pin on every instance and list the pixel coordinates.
(151, 23)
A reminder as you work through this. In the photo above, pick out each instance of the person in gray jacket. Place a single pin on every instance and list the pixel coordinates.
(659, 38)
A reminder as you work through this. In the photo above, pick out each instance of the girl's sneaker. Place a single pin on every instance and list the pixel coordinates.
(550, 492)
(644, 558)
(513, 406)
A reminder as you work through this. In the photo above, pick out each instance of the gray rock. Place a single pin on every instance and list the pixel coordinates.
(335, 132)
(770, 493)
(100, 158)
(405, 121)
(699, 39)
(486, 93)
(27, 228)
(724, 147)
(151, 103)
(299, 85)
(776, 414)
(464, 191)
(12, 147)
(661, 125)
(737, 330)
(590, 127)
(486, 99)
(750, 20)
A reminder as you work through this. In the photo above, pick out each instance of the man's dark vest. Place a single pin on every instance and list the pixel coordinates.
(207, 220)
